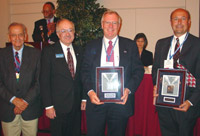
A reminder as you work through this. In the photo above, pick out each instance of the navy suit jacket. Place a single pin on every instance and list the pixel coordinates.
(129, 59)
(26, 88)
(37, 32)
(57, 85)
(189, 58)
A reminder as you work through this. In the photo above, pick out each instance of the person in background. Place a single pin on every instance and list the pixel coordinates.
(20, 104)
(179, 51)
(61, 86)
(145, 55)
(123, 52)
(45, 29)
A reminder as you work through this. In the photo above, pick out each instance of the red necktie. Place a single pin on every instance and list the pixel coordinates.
(176, 56)
(17, 62)
(70, 63)
(110, 57)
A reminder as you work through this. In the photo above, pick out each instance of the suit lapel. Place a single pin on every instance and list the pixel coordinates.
(10, 63)
(24, 64)
(186, 47)
(122, 53)
(61, 62)
(97, 51)
(78, 59)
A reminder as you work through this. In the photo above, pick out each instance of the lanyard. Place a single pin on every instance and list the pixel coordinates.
(171, 55)
(109, 56)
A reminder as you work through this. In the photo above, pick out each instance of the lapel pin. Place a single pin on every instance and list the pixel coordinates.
(125, 51)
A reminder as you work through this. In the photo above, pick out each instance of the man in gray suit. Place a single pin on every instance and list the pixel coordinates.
(19, 85)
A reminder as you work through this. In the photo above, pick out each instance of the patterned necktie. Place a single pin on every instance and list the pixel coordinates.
(70, 63)
(17, 62)
(176, 56)
(110, 57)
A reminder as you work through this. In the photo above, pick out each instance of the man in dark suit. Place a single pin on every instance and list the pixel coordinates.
(179, 121)
(20, 104)
(61, 86)
(45, 29)
(96, 55)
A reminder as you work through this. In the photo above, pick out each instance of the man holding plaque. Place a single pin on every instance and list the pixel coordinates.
(123, 53)
(180, 51)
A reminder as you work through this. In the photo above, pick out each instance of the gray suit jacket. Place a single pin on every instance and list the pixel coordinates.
(27, 87)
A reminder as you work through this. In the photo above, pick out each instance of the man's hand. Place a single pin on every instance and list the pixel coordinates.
(94, 99)
(83, 105)
(17, 110)
(124, 97)
(155, 94)
(183, 107)
(51, 28)
(20, 103)
(51, 113)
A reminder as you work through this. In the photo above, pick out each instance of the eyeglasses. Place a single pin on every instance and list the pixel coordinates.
(66, 30)
(17, 35)
(176, 19)
(46, 11)
(108, 23)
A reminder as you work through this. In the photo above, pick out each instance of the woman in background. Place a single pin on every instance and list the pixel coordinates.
(145, 55)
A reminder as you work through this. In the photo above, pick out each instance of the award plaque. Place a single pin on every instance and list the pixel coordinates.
(110, 83)
(171, 86)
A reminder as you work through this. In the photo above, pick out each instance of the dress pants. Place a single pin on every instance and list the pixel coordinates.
(177, 123)
(110, 115)
(66, 124)
(18, 125)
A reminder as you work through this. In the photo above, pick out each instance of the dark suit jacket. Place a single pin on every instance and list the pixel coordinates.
(147, 58)
(189, 58)
(27, 87)
(37, 32)
(129, 59)
(57, 86)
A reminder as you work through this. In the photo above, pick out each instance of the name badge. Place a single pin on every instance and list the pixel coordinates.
(59, 55)
(169, 63)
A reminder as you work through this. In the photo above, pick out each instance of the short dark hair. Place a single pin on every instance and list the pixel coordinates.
(50, 3)
(142, 35)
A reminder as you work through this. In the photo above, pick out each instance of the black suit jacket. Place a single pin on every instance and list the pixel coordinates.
(57, 86)
(189, 58)
(37, 31)
(27, 87)
(147, 58)
(129, 59)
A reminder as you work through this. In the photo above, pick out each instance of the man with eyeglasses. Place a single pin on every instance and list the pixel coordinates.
(124, 53)
(179, 121)
(45, 29)
(61, 87)
(20, 104)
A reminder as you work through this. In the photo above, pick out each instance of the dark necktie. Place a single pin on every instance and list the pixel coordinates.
(70, 62)
(17, 62)
(176, 56)
(110, 57)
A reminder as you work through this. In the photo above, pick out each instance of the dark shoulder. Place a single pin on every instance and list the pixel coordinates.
(40, 21)
(147, 52)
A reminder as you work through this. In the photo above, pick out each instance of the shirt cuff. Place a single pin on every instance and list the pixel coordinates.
(190, 102)
(49, 107)
(84, 100)
(11, 100)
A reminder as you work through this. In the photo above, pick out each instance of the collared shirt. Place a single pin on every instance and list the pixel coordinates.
(51, 20)
(64, 48)
(172, 48)
(105, 44)
(19, 53)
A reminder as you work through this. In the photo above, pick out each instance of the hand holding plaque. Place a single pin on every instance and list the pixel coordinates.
(171, 86)
(110, 83)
